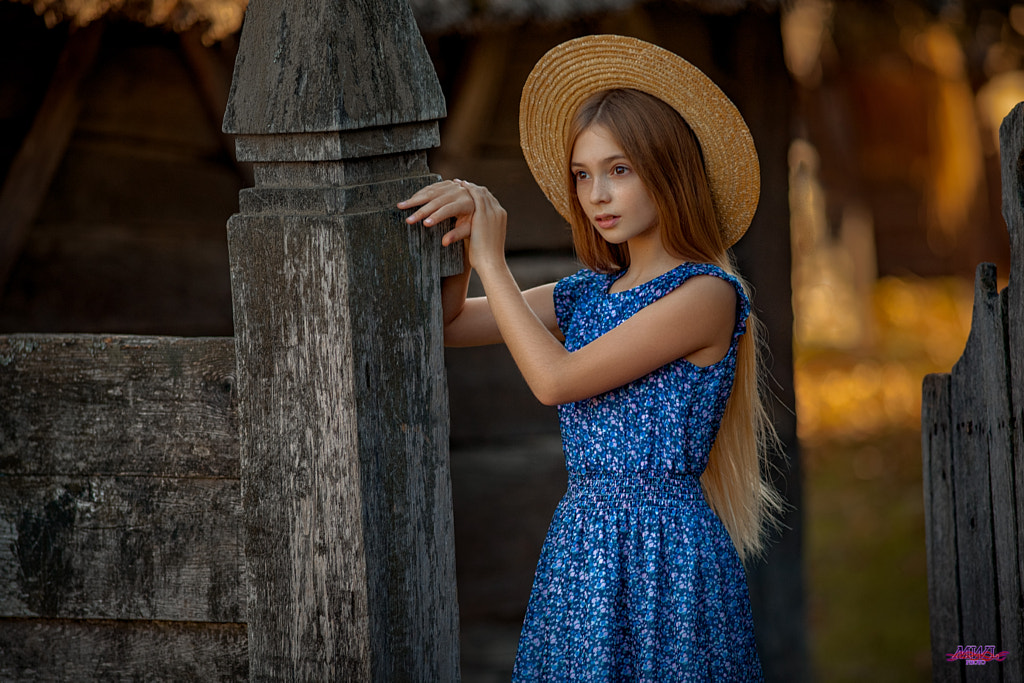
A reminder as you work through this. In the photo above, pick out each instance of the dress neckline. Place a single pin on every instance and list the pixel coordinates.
(614, 277)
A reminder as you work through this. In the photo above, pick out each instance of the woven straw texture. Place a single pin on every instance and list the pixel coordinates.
(576, 69)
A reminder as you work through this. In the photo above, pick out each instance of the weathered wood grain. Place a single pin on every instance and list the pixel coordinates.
(1011, 144)
(311, 67)
(342, 402)
(346, 446)
(301, 483)
(121, 548)
(973, 454)
(71, 650)
(117, 405)
(940, 527)
(403, 430)
(1005, 512)
(973, 403)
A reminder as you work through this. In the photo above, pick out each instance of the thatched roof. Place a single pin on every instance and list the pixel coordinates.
(221, 18)
(448, 15)
(217, 18)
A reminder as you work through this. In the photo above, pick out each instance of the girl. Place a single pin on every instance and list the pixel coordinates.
(649, 354)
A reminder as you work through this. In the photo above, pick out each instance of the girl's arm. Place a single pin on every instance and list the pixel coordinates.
(473, 324)
(695, 321)
(469, 322)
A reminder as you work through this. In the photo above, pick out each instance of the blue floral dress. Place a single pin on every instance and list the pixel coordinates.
(638, 580)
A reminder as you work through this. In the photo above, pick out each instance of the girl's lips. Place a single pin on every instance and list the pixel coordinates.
(605, 221)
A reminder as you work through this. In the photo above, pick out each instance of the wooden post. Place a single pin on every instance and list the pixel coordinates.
(974, 465)
(1010, 489)
(1011, 144)
(980, 438)
(342, 399)
(940, 525)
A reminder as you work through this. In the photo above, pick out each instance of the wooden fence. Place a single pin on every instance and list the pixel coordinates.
(276, 505)
(973, 457)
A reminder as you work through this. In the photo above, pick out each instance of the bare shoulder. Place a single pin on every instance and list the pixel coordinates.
(712, 286)
(707, 294)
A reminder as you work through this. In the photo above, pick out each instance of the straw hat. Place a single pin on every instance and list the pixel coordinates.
(571, 72)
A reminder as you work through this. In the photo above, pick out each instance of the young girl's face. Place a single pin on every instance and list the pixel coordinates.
(611, 193)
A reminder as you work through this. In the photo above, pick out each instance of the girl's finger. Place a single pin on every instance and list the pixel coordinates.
(424, 194)
(457, 234)
(438, 209)
(432, 191)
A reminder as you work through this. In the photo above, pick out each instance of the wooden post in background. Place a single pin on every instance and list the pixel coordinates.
(343, 408)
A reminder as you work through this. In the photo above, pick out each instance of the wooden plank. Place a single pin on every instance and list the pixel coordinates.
(1004, 498)
(118, 405)
(1011, 144)
(940, 527)
(33, 167)
(121, 548)
(974, 436)
(68, 650)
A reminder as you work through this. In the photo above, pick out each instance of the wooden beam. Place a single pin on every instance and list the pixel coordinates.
(69, 650)
(36, 162)
(120, 466)
(940, 526)
(118, 405)
(119, 463)
(141, 547)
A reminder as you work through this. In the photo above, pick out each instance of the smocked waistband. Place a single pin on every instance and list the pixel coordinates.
(634, 488)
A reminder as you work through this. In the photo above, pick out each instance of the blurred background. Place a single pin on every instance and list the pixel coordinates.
(877, 124)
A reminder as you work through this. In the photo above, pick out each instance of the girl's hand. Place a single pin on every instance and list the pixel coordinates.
(440, 201)
(479, 218)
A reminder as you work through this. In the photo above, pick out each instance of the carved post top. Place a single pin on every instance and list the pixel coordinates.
(335, 103)
(330, 65)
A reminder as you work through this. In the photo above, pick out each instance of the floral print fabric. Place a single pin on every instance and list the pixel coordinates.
(638, 579)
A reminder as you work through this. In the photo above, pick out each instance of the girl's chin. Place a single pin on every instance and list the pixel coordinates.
(609, 237)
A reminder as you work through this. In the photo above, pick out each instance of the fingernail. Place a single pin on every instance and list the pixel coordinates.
(428, 221)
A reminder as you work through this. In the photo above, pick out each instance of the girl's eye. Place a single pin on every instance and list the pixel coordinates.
(580, 175)
(620, 170)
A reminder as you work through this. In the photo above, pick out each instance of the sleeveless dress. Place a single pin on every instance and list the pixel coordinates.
(638, 579)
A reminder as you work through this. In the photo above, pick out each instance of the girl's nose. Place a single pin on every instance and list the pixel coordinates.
(599, 191)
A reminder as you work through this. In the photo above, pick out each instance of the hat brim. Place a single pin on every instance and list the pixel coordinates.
(573, 71)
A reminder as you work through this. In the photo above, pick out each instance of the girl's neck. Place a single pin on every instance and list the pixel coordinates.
(647, 260)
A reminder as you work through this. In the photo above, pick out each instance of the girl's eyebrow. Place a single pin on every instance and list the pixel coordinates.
(608, 160)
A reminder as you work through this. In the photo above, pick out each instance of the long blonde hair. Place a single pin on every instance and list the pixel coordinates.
(667, 157)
